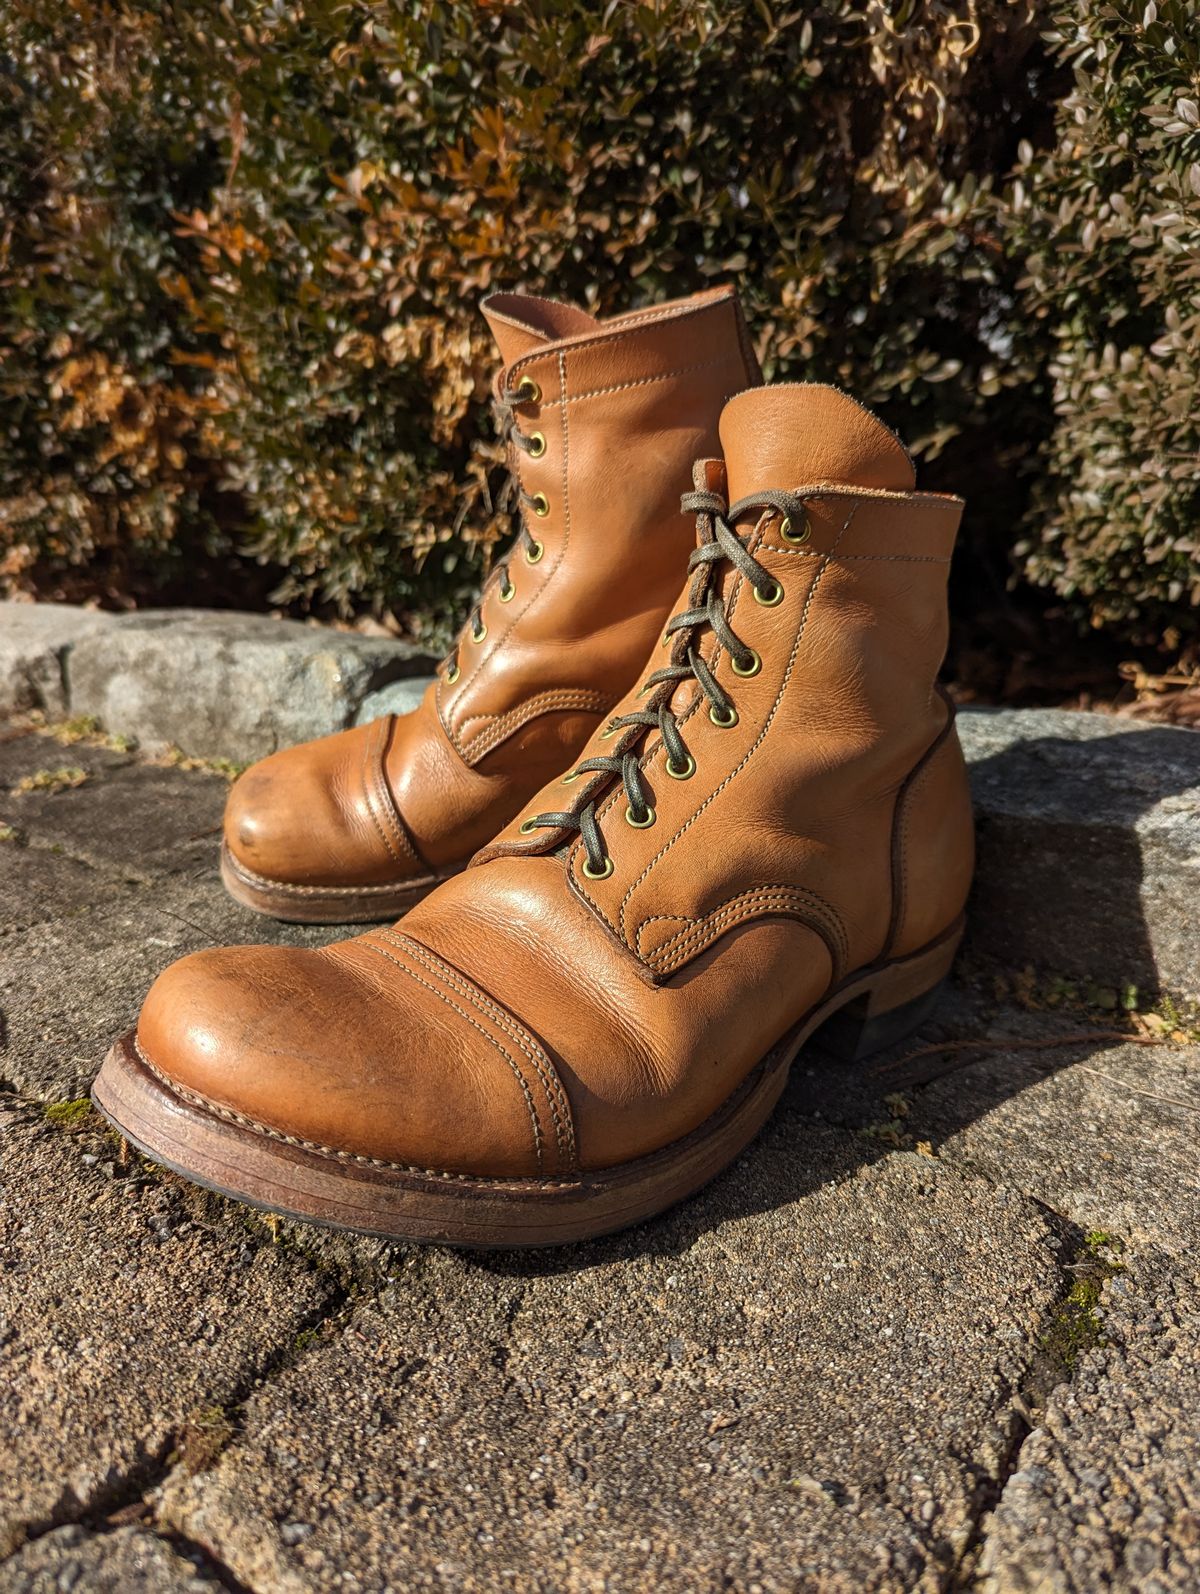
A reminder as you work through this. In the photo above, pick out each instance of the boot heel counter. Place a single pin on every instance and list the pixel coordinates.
(933, 847)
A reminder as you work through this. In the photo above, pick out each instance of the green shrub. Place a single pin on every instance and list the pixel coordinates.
(244, 246)
(1108, 221)
(108, 463)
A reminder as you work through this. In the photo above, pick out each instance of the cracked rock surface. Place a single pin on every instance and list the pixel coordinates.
(131, 1322)
(127, 1560)
(1107, 1494)
(805, 1371)
(857, 1362)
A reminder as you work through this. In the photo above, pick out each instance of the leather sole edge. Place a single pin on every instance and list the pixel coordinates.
(276, 899)
(366, 1196)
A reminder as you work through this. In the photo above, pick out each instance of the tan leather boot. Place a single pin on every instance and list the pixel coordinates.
(603, 420)
(772, 833)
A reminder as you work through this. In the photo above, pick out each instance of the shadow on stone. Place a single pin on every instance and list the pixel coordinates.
(1089, 854)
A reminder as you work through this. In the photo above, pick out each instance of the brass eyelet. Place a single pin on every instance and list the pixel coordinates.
(752, 668)
(640, 824)
(478, 634)
(507, 592)
(532, 555)
(686, 773)
(598, 874)
(608, 733)
(541, 508)
(452, 674)
(571, 777)
(528, 825)
(528, 392)
(801, 534)
(537, 445)
(775, 596)
(725, 721)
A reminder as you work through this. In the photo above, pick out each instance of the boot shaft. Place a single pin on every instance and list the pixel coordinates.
(609, 417)
(790, 801)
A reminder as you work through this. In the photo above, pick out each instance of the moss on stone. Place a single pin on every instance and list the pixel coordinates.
(1075, 1326)
(68, 1114)
(51, 780)
(228, 768)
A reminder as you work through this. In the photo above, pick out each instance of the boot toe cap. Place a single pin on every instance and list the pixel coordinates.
(318, 815)
(352, 1050)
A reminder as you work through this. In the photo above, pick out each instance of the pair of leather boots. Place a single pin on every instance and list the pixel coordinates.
(685, 792)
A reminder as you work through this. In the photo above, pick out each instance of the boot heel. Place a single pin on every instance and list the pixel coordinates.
(855, 1032)
(900, 998)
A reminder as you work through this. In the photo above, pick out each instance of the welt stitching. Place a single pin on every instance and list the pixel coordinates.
(462, 1012)
(641, 381)
(246, 1122)
(764, 898)
(733, 774)
(755, 894)
(678, 947)
(887, 495)
(321, 891)
(572, 697)
(563, 1127)
(880, 558)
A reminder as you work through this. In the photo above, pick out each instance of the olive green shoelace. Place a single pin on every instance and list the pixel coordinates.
(719, 544)
(511, 435)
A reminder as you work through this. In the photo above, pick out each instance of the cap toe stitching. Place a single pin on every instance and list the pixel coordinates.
(560, 1110)
(491, 1039)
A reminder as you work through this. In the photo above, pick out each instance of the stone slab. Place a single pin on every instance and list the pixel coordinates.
(236, 686)
(130, 1319)
(800, 1379)
(126, 1561)
(1103, 1133)
(101, 887)
(1106, 1494)
(809, 1376)
(1089, 845)
(138, 823)
(69, 985)
(35, 639)
(401, 697)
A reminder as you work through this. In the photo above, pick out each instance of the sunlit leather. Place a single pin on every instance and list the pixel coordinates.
(526, 1020)
(625, 405)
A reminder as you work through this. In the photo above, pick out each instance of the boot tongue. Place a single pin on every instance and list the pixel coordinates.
(521, 323)
(800, 434)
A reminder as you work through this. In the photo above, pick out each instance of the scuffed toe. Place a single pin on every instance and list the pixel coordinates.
(321, 816)
(373, 1048)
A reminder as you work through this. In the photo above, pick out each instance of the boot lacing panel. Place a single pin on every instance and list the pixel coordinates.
(719, 544)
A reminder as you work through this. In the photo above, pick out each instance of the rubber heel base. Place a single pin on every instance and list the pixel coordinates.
(857, 1032)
